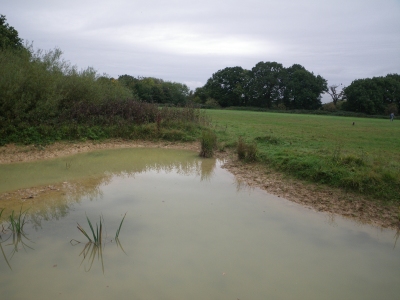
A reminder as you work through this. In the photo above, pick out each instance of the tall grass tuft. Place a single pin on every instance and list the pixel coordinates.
(241, 148)
(246, 151)
(96, 235)
(208, 143)
(17, 222)
(119, 228)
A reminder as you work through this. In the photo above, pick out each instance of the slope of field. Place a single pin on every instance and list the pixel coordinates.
(362, 157)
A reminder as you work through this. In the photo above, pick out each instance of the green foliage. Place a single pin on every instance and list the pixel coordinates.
(211, 103)
(41, 88)
(9, 38)
(154, 90)
(208, 143)
(373, 95)
(44, 99)
(269, 139)
(303, 89)
(331, 107)
(227, 86)
(268, 85)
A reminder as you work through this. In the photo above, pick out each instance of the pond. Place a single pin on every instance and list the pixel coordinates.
(191, 231)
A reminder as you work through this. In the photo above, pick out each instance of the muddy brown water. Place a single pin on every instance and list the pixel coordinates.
(191, 232)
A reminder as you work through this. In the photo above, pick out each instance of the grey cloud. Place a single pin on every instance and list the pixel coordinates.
(187, 41)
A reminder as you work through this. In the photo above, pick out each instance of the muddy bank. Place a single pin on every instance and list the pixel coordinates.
(320, 198)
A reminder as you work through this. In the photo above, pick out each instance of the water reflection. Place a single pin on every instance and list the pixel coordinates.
(396, 237)
(17, 241)
(84, 177)
(89, 253)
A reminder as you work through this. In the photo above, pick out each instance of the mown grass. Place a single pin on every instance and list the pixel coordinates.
(364, 157)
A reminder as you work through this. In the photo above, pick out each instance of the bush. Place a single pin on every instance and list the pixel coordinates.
(212, 103)
(329, 107)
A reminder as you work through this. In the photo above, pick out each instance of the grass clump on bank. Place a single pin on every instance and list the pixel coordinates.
(208, 143)
(246, 151)
(362, 158)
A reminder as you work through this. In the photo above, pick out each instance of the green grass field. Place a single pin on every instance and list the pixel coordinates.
(364, 157)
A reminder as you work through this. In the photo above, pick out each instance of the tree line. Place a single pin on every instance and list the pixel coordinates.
(29, 79)
(267, 85)
(155, 90)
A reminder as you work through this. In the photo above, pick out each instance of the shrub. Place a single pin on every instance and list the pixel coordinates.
(212, 103)
(329, 107)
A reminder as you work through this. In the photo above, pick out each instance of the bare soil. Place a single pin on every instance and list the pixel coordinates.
(317, 197)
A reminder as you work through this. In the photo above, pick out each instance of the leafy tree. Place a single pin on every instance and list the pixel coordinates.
(177, 92)
(373, 95)
(266, 84)
(200, 95)
(302, 88)
(228, 86)
(9, 38)
(128, 81)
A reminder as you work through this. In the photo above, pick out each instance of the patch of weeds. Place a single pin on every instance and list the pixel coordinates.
(208, 143)
(352, 161)
(337, 152)
(247, 151)
(173, 135)
(268, 139)
(251, 153)
(221, 147)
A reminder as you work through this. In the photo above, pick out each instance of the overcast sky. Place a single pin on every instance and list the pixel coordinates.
(188, 41)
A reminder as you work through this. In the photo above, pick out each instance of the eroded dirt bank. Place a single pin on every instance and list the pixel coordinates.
(320, 198)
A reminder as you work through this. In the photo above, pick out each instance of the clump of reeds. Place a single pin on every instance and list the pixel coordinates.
(17, 222)
(94, 246)
(246, 151)
(208, 143)
(97, 235)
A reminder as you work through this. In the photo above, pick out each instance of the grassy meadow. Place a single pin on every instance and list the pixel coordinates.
(364, 157)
